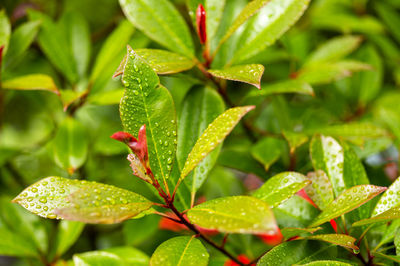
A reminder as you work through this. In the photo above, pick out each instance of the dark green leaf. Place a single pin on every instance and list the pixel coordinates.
(390, 17)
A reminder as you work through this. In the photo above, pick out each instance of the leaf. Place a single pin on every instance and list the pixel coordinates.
(349, 200)
(389, 257)
(397, 242)
(200, 107)
(294, 139)
(236, 214)
(267, 26)
(320, 191)
(289, 232)
(80, 200)
(250, 74)
(214, 135)
(164, 62)
(106, 97)
(15, 245)
(179, 251)
(160, 21)
(281, 187)
(337, 239)
(68, 232)
(70, 145)
(268, 150)
(146, 102)
(248, 11)
(31, 82)
(389, 215)
(327, 263)
(20, 40)
(286, 86)
(390, 17)
(334, 49)
(389, 199)
(5, 30)
(112, 257)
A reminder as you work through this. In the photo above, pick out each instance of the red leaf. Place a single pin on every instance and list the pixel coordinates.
(201, 24)
(302, 193)
(272, 239)
(334, 225)
(242, 258)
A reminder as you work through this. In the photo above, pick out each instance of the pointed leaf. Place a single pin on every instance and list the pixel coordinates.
(281, 187)
(320, 191)
(389, 215)
(328, 263)
(146, 102)
(164, 62)
(268, 150)
(68, 232)
(214, 135)
(31, 82)
(389, 199)
(160, 21)
(349, 200)
(236, 214)
(179, 251)
(112, 257)
(351, 131)
(5, 30)
(337, 239)
(287, 254)
(289, 232)
(273, 20)
(287, 86)
(294, 139)
(90, 202)
(250, 74)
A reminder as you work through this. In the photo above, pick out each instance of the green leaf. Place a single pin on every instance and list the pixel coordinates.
(389, 199)
(70, 145)
(388, 257)
(334, 49)
(349, 200)
(294, 139)
(68, 232)
(146, 102)
(15, 245)
(337, 239)
(160, 21)
(80, 200)
(289, 232)
(389, 215)
(20, 40)
(115, 256)
(327, 263)
(106, 97)
(179, 251)
(320, 190)
(390, 17)
(164, 62)
(286, 86)
(268, 150)
(200, 107)
(268, 25)
(250, 74)
(248, 11)
(397, 242)
(5, 30)
(281, 187)
(31, 82)
(214, 135)
(236, 214)
(389, 233)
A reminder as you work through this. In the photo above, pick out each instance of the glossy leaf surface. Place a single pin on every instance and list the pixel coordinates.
(320, 190)
(337, 239)
(31, 82)
(389, 199)
(250, 74)
(389, 215)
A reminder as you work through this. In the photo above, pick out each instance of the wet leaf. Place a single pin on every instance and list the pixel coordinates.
(236, 214)
(90, 202)
(337, 239)
(289, 232)
(320, 191)
(389, 215)
(389, 199)
(281, 187)
(31, 82)
(268, 150)
(328, 263)
(349, 200)
(160, 21)
(146, 102)
(179, 251)
(214, 135)
(250, 74)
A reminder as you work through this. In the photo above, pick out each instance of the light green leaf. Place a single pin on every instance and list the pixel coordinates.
(349, 200)
(80, 200)
(146, 102)
(389, 199)
(68, 232)
(214, 135)
(320, 190)
(31, 82)
(327, 263)
(164, 62)
(337, 239)
(294, 139)
(389, 215)
(268, 150)
(397, 242)
(289, 232)
(106, 97)
(127, 256)
(236, 214)
(160, 21)
(5, 30)
(287, 86)
(250, 74)
(273, 20)
(15, 245)
(334, 49)
(180, 251)
(281, 187)
(200, 107)
(70, 145)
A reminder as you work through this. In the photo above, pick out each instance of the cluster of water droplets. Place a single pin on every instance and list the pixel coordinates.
(389, 199)
(320, 190)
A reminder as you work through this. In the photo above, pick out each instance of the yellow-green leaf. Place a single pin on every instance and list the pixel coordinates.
(337, 239)
(31, 82)
(320, 190)
(391, 214)
(389, 199)
(250, 74)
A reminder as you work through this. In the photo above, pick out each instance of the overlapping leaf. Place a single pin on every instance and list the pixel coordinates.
(31, 82)
(250, 74)
(337, 239)
(320, 190)
(389, 199)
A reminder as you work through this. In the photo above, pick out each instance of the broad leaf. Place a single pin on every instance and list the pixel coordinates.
(268, 25)
(200, 107)
(213, 135)
(5, 30)
(90, 202)
(180, 251)
(349, 200)
(128, 256)
(337, 239)
(268, 150)
(70, 145)
(159, 20)
(250, 74)
(146, 102)
(294, 139)
(68, 232)
(281, 187)
(328, 263)
(15, 245)
(287, 86)
(320, 190)
(31, 82)
(164, 62)
(389, 215)
(289, 232)
(236, 214)
(389, 199)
